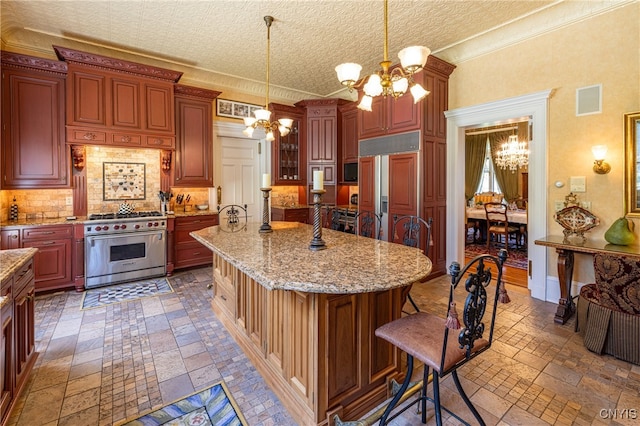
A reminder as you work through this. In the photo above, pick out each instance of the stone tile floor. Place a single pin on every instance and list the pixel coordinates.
(105, 365)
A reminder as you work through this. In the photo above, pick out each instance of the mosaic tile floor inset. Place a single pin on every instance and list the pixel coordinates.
(125, 292)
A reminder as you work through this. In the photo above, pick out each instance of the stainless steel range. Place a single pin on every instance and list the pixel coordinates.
(124, 247)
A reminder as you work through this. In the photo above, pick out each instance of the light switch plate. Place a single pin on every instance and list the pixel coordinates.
(558, 205)
(585, 205)
(578, 184)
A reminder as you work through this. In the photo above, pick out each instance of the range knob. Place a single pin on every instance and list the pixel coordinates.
(116, 226)
(104, 228)
(98, 228)
(149, 225)
(155, 224)
(137, 226)
(123, 226)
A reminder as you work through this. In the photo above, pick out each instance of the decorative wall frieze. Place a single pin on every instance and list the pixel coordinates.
(120, 65)
(15, 60)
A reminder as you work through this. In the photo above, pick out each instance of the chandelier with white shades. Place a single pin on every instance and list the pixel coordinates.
(263, 116)
(385, 82)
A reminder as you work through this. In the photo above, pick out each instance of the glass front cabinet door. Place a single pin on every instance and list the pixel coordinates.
(288, 152)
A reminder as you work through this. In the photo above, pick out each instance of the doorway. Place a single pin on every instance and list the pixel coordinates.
(534, 105)
(239, 163)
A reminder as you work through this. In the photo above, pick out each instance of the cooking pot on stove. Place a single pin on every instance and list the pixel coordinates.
(354, 199)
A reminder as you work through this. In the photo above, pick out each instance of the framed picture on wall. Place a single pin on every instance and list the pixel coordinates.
(233, 109)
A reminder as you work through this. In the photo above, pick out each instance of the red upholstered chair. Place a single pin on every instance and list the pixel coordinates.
(437, 343)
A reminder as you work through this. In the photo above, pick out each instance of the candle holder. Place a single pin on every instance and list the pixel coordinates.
(266, 213)
(317, 243)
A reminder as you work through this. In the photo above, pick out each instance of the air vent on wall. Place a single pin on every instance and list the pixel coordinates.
(394, 144)
(589, 100)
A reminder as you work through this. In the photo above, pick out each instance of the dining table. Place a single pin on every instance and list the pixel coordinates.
(514, 216)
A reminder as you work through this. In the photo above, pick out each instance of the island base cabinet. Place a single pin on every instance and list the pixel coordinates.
(317, 352)
(6, 364)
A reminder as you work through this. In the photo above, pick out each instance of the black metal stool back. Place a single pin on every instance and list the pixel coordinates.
(407, 231)
(429, 339)
(233, 217)
(368, 224)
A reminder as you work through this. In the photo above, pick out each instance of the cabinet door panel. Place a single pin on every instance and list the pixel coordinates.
(403, 114)
(350, 136)
(52, 263)
(33, 140)
(87, 98)
(314, 139)
(125, 101)
(372, 123)
(159, 108)
(194, 143)
(366, 184)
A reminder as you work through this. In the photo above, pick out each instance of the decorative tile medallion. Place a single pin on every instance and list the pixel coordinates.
(103, 296)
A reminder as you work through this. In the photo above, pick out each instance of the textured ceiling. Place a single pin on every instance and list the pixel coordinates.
(222, 44)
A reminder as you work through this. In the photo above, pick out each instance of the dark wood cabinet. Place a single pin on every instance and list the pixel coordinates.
(349, 138)
(9, 239)
(33, 145)
(390, 116)
(53, 261)
(18, 335)
(434, 158)
(24, 327)
(194, 137)
(6, 351)
(118, 102)
(290, 214)
(288, 153)
(187, 251)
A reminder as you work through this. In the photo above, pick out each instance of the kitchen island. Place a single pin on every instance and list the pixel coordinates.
(306, 319)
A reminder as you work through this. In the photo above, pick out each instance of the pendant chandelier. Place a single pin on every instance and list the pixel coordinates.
(387, 82)
(262, 116)
(514, 154)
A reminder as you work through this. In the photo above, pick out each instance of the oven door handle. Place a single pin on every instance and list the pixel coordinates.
(93, 238)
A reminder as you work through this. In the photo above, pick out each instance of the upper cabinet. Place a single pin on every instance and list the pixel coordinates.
(389, 115)
(349, 137)
(288, 154)
(194, 137)
(33, 149)
(117, 102)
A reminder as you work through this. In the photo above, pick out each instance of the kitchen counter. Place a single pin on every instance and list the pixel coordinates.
(42, 221)
(194, 212)
(306, 319)
(291, 207)
(12, 260)
(282, 259)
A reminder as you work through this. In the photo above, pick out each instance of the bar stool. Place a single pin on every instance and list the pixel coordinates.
(425, 336)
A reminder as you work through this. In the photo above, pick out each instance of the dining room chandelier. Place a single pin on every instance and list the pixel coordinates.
(386, 82)
(262, 117)
(513, 154)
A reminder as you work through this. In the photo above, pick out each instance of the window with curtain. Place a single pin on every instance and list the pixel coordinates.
(488, 182)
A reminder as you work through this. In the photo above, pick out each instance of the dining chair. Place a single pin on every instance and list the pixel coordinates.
(445, 345)
(368, 224)
(498, 224)
(233, 217)
(407, 230)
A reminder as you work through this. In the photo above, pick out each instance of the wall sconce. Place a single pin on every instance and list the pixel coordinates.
(599, 165)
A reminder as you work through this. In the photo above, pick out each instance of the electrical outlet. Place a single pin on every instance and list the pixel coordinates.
(585, 205)
(69, 201)
(559, 205)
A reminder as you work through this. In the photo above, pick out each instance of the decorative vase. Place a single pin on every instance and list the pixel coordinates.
(621, 232)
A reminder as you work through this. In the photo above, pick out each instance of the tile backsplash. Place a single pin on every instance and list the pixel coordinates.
(43, 203)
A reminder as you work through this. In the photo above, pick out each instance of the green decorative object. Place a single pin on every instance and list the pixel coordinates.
(621, 232)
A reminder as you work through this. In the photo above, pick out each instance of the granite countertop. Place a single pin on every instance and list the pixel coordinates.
(12, 260)
(194, 212)
(40, 221)
(282, 259)
(295, 206)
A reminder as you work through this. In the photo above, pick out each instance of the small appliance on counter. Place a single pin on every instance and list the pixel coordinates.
(354, 199)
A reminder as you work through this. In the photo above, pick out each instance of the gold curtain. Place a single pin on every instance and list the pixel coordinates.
(507, 179)
(475, 151)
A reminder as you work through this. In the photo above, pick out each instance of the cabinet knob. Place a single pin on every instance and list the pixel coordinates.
(15, 237)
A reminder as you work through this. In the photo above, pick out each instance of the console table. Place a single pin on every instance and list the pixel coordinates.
(566, 249)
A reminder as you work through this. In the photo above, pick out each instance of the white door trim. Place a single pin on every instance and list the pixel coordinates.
(535, 106)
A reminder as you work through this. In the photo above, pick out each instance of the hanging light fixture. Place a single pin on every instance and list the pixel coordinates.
(262, 116)
(387, 82)
(513, 154)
